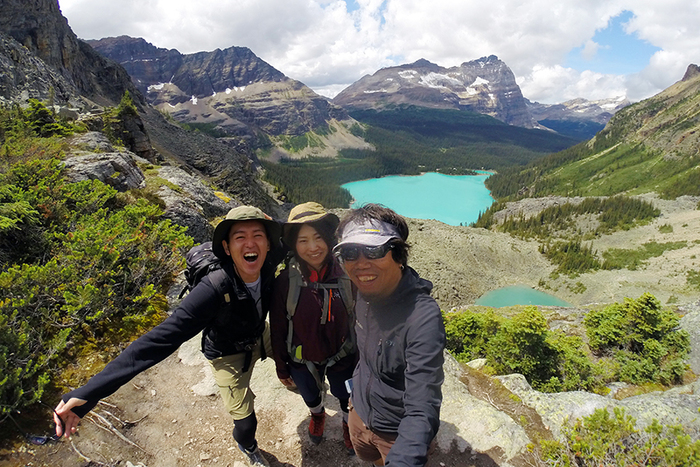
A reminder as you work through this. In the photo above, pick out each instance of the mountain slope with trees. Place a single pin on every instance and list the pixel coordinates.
(650, 146)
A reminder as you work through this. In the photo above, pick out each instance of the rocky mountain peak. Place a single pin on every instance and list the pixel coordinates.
(200, 74)
(691, 72)
(39, 26)
(485, 86)
(421, 63)
(233, 94)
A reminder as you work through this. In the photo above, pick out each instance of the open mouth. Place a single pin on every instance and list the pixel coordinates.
(366, 278)
(250, 257)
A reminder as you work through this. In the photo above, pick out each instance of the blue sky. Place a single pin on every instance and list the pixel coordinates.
(612, 50)
(558, 51)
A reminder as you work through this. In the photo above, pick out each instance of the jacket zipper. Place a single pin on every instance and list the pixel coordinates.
(368, 390)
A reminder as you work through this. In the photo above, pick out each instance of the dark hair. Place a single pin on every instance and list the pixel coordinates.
(382, 213)
(324, 228)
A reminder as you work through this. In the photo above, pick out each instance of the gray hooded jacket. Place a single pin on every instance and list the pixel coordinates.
(397, 382)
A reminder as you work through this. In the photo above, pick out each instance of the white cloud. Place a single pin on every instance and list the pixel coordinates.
(590, 50)
(323, 45)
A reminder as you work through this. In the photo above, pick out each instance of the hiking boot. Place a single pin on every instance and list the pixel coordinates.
(254, 457)
(346, 439)
(318, 421)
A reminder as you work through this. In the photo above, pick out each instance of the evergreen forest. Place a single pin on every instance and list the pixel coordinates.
(409, 141)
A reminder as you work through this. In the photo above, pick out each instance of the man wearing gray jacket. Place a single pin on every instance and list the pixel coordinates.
(396, 399)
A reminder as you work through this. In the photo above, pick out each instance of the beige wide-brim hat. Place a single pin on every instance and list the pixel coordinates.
(244, 213)
(306, 213)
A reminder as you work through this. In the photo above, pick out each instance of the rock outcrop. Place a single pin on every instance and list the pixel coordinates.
(187, 201)
(96, 159)
(39, 26)
(485, 86)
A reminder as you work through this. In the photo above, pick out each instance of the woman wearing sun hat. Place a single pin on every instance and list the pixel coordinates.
(233, 320)
(311, 316)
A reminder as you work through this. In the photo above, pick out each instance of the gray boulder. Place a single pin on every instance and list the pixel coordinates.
(475, 426)
(117, 169)
(691, 323)
(676, 406)
(189, 202)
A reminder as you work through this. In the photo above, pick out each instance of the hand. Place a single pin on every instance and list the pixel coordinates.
(288, 382)
(69, 419)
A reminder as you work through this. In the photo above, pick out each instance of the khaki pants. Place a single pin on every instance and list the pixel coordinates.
(234, 384)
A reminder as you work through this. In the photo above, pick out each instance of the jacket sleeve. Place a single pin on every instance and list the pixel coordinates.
(188, 319)
(279, 325)
(425, 342)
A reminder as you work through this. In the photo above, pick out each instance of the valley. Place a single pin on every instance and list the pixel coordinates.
(115, 159)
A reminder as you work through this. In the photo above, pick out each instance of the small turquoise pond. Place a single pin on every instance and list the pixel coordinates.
(518, 295)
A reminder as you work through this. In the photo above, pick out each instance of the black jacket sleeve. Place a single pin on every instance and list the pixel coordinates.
(423, 395)
(188, 319)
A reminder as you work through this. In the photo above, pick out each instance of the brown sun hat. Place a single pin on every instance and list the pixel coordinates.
(243, 213)
(306, 213)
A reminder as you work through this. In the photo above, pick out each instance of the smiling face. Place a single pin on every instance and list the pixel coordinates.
(311, 248)
(374, 278)
(247, 246)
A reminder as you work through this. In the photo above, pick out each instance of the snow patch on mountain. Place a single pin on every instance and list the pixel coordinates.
(439, 80)
(480, 82)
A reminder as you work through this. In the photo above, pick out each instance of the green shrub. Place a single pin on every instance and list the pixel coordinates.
(523, 344)
(636, 341)
(520, 345)
(98, 272)
(642, 337)
(693, 279)
(602, 439)
(666, 228)
(574, 368)
(468, 333)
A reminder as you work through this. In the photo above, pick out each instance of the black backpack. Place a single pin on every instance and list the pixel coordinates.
(201, 261)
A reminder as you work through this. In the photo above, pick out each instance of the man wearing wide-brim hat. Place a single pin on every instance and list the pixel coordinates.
(229, 307)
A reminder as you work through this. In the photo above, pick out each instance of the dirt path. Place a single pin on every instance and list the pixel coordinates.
(182, 423)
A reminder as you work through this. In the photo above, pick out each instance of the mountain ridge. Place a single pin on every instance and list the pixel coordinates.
(649, 146)
(485, 86)
(236, 95)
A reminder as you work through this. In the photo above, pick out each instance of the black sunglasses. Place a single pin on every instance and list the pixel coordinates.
(352, 252)
(40, 440)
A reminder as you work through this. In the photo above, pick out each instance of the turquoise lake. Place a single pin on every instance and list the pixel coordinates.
(518, 295)
(452, 199)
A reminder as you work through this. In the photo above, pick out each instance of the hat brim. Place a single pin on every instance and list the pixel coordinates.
(273, 229)
(364, 240)
(328, 217)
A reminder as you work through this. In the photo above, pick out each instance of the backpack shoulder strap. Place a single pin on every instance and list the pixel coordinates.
(345, 286)
(296, 282)
(221, 282)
